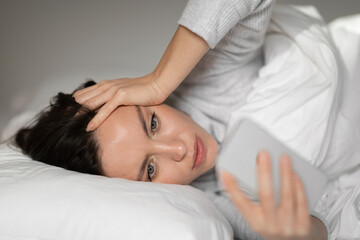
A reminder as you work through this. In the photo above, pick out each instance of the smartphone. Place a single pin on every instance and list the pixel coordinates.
(238, 156)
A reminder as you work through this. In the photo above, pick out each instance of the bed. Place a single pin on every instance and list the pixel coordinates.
(38, 201)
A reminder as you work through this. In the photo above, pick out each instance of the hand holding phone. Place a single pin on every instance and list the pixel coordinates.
(288, 219)
(238, 156)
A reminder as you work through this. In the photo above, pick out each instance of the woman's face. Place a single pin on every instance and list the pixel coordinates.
(157, 143)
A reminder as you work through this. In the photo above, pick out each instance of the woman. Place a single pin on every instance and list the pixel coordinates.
(149, 141)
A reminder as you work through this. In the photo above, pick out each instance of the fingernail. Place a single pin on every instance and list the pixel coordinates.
(224, 174)
(226, 178)
(222, 177)
(260, 156)
(90, 127)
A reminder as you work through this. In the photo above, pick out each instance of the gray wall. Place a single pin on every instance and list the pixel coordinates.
(45, 44)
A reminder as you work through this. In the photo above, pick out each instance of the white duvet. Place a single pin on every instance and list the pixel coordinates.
(340, 205)
(40, 201)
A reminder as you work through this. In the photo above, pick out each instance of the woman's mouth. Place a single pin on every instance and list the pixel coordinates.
(199, 152)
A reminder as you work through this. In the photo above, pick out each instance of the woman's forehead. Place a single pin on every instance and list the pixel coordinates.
(117, 138)
(120, 130)
(122, 121)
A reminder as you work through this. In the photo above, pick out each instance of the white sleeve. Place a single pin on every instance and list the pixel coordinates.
(212, 19)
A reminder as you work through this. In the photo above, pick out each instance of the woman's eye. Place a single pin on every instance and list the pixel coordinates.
(154, 123)
(151, 170)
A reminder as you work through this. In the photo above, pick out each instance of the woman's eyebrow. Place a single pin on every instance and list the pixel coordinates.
(142, 120)
(143, 124)
(142, 169)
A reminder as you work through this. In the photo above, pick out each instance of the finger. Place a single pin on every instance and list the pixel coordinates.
(103, 113)
(287, 195)
(85, 90)
(266, 189)
(98, 100)
(237, 196)
(85, 97)
(302, 209)
(91, 93)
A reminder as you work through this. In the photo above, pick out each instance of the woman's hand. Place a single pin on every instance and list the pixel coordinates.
(290, 218)
(182, 54)
(110, 94)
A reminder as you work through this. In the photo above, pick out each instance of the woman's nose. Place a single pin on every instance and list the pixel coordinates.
(174, 149)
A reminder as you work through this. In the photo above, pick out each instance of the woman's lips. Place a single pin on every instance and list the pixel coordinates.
(199, 152)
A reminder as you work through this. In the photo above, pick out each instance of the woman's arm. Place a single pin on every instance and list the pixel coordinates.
(288, 220)
(209, 21)
(183, 52)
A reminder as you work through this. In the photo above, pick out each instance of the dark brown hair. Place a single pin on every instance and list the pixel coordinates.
(58, 136)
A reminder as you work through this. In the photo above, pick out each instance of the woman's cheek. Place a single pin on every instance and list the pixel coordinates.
(175, 177)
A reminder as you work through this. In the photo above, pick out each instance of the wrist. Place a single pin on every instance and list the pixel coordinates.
(160, 88)
(165, 78)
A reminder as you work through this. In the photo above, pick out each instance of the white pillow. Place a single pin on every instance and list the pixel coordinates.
(39, 201)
